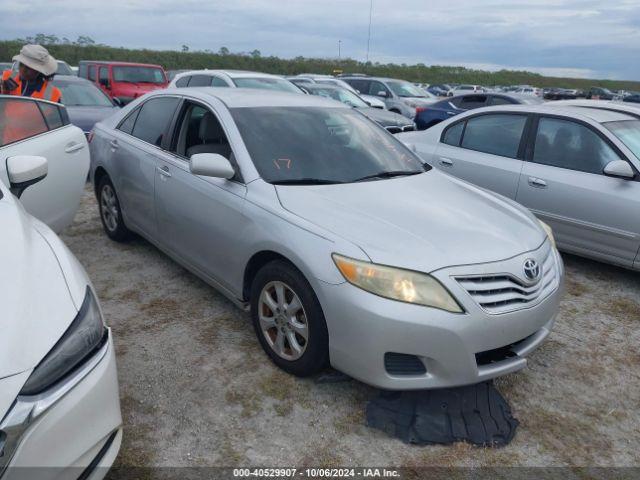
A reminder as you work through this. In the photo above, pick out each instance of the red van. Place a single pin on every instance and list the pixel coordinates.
(123, 81)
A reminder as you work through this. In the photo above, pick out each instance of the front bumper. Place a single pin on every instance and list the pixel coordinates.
(364, 327)
(67, 428)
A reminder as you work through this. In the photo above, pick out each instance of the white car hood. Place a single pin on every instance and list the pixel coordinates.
(423, 222)
(36, 303)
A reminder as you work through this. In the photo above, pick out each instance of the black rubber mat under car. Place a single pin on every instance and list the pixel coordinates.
(477, 414)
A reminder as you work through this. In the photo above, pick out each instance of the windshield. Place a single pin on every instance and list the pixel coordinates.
(337, 82)
(628, 131)
(405, 89)
(341, 95)
(82, 95)
(320, 145)
(266, 83)
(138, 75)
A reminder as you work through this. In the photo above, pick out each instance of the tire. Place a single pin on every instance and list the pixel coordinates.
(110, 212)
(314, 356)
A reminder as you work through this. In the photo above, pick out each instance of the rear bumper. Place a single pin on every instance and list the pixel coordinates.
(72, 433)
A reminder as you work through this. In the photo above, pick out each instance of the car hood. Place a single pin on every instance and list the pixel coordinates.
(86, 117)
(422, 222)
(385, 117)
(36, 303)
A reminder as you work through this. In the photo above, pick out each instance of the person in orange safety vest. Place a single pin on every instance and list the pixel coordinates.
(36, 68)
(33, 79)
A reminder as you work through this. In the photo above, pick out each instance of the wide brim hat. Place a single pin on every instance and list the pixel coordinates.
(38, 58)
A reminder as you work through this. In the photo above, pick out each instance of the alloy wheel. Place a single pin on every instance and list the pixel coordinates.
(109, 208)
(283, 321)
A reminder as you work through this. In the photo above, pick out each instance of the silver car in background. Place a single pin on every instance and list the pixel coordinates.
(345, 248)
(575, 167)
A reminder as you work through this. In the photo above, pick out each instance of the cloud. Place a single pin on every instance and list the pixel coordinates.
(563, 37)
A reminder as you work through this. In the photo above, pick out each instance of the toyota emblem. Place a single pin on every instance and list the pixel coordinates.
(531, 269)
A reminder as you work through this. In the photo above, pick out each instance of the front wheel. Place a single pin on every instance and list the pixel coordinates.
(288, 320)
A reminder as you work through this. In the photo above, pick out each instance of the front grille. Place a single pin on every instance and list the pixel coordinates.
(498, 354)
(398, 129)
(502, 293)
(408, 128)
(394, 129)
(402, 364)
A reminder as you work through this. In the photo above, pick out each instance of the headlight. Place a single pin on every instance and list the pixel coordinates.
(549, 233)
(80, 341)
(396, 284)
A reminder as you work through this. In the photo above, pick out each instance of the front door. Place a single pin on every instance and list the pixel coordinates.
(200, 219)
(564, 184)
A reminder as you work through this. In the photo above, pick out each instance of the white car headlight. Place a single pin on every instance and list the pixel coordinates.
(397, 284)
(83, 338)
(549, 233)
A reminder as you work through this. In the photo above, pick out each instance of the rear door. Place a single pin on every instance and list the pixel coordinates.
(486, 149)
(564, 185)
(135, 150)
(32, 127)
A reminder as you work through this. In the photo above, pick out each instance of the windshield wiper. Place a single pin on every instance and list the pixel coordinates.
(391, 174)
(305, 181)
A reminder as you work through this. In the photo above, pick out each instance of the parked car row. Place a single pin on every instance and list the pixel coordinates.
(424, 259)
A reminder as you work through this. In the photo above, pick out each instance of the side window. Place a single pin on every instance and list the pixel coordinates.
(82, 70)
(154, 118)
(218, 82)
(567, 144)
(453, 134)
(200, 131)
(469, 102)
(182, 81)
(500, 101)
(200, 81)
(103, 76)
(52, 115)
(92, 73)
(361, 85)
(495, 134)
(19, 119)
(376, 87)
(127, 124)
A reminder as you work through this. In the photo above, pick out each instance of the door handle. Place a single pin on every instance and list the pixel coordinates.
(164, 171)
(74, 147)
(451, 113)
(537, 182)
(113, 143)
(446, 162)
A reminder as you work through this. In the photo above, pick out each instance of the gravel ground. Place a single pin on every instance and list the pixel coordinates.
(197, 390)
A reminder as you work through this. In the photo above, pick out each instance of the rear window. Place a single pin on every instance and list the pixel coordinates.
(19, 119)
(200, 81)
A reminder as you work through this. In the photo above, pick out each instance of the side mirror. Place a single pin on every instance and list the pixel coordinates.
(382, 93)
(619, 169)
(25, 170)
(211, 165)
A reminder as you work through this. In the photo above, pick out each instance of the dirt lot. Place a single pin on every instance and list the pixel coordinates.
(197, 389)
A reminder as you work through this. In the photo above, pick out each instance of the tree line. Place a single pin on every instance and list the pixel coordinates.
(85, 48)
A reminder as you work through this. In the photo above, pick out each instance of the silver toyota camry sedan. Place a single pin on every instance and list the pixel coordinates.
(344, 247)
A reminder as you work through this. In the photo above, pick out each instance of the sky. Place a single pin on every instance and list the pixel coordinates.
(575, 38)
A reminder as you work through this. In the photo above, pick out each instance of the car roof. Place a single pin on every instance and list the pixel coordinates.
(364, 77)
(229, 73)
(124, 64)
(599, 116)
(252, 97)
(626, 108)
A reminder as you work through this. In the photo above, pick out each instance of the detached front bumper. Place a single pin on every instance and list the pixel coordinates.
(73, 427)
(399, 346)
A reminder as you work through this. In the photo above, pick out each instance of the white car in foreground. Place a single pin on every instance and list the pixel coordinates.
(36, 127)
(59, 403)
